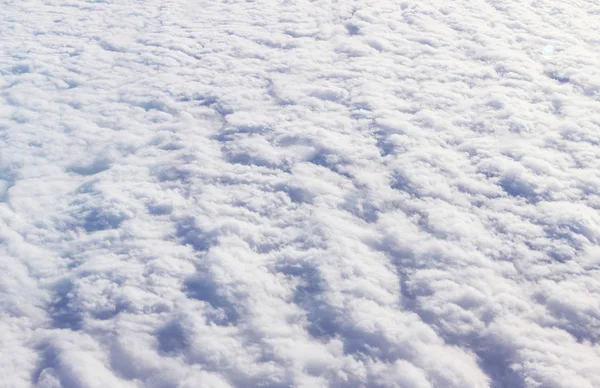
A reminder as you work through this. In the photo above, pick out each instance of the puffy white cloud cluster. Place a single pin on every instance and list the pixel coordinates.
(299, 193)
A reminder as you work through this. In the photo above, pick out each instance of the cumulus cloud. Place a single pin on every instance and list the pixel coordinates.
(299, 194)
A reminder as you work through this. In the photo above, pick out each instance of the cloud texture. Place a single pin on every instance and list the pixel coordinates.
(299, 193)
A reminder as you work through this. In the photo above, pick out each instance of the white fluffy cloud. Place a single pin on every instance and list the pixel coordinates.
(299, 194)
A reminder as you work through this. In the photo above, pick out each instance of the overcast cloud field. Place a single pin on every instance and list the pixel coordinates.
(294, 193)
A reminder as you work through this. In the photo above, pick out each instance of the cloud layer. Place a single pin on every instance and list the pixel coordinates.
(299, 193)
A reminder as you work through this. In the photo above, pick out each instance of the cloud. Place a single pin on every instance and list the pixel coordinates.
(306, 194)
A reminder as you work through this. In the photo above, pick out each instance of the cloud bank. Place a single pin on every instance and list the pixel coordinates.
(299, 194)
